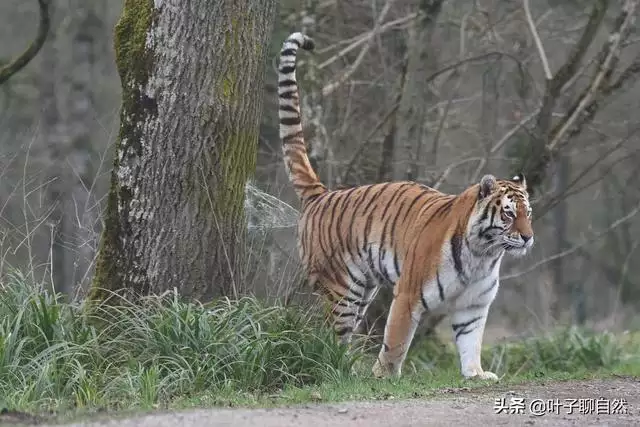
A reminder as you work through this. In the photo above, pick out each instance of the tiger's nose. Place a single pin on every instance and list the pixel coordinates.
(525, 238)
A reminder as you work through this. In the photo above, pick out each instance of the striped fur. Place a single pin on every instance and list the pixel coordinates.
(440, 253)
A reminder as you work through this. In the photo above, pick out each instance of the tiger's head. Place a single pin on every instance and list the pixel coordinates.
(502, 217)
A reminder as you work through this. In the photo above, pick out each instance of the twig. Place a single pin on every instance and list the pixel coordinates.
(367, 140)
(356, 41)
(502, 141)
(329, 88)
(443, 176)
(536, 38)
(21, 61)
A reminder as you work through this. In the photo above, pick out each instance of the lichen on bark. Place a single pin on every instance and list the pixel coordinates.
(134, 61)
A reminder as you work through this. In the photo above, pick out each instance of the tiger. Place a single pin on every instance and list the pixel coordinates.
(439, 253)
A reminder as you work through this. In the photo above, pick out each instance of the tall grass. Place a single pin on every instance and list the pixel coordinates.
(57, 355)
(563, 350)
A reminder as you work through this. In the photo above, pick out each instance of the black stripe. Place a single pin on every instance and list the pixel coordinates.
(444, 209)
(290, 121)
(286, 69)
(333, 212)
(396, 264)
(287, 139)
(396, 195)
(289, 94)
(484, 231)
(346, 299)
(456, 251)
(362, 198)
(375, 197)
(382, 252)
(415, 200)
(486, 291)
(392, 237)
(342, 330)
(424, 301)
(485, 212)
(367, 229)
(457, 326)
(346, 314)
(355, 280)
(461, 328)
(320, 215)
(475, 307)
(440, 288)
(463, 332)
(288, 52)
(289, 108)
(426, 223)
(345, 201)
(375, 271)
(287, 82)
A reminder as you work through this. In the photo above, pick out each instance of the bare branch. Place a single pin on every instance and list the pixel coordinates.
(502, 141)
(365, 142)
(534, 163)
(21, 61)
(329, 88)
(536, 38)
(443, 176)
(574, 248)
(613, 50)
(356, 41)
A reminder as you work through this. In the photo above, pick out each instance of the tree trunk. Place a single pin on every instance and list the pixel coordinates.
(417, 96)
(192, 76)
(70, 119)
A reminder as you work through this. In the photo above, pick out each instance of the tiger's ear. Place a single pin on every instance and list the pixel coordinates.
(487, 185)
(520, 179)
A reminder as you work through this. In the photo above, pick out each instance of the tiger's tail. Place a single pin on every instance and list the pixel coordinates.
(304, 179)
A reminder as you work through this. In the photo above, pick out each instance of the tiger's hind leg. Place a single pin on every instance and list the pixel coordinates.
(348, 314)
(347, 303)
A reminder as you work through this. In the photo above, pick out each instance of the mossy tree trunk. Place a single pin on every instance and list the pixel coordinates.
(192, 75)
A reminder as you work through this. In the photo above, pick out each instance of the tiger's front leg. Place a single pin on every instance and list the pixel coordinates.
(468, 330)
(404, 315)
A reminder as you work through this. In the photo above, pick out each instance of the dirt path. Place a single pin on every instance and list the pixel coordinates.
(611, 402)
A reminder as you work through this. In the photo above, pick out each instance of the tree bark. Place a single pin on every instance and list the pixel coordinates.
(417, 96)
(192, 74)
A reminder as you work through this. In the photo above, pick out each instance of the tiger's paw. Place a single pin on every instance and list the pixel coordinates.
(483, 375)
(379, 371)
(384, 370)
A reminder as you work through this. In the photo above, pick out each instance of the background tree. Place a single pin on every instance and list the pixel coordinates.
(67, 125)
(187, 144)
(8, 70)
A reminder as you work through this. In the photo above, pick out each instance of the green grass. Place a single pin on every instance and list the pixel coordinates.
(73, 359)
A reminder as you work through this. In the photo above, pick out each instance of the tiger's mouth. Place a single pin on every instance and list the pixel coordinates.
(517, 249)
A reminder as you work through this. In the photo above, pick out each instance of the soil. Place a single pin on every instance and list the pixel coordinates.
(610, 402)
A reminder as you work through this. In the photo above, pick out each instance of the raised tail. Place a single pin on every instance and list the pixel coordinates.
(304, 179)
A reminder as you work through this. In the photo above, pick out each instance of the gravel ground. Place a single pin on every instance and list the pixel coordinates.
(610, 402)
